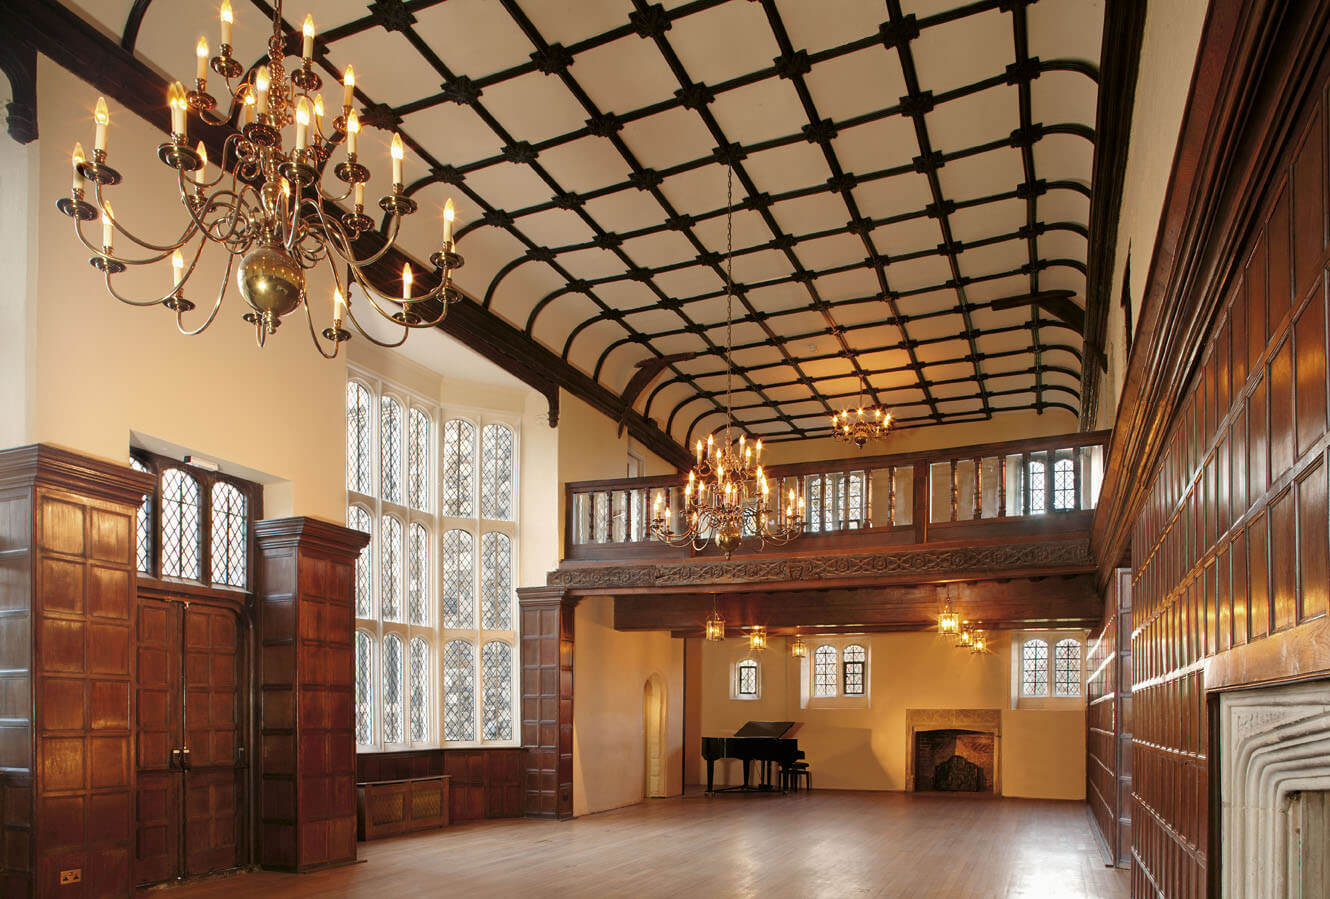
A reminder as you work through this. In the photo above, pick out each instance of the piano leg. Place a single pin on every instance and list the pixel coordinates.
(711, 774)
(745, 763)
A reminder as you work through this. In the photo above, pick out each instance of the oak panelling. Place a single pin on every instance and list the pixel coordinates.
(1108, 721)
(547, 701)
(157, 711)
(493, 785)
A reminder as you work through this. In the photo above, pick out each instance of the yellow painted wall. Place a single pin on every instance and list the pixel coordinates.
(1042, 752)
(610, 669)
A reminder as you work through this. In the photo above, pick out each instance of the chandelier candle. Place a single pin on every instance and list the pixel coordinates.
(78, 175)
(227, 19)
(201, 70)
(307, 39)
(101, 117)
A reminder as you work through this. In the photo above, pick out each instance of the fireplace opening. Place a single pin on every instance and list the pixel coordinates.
(953, 760)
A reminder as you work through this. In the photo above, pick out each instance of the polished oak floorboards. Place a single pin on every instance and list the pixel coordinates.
(824, 843)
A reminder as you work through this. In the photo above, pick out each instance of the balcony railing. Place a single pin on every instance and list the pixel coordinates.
(1008, 490)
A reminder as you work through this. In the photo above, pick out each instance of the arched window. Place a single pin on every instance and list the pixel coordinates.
(459, 691)
(459, 468)
(1036, 487)
(824, 671)
(496, 581)
(496, 473)
(417, 459)
(359, 421)
(856, 659)
(1067, 668)
(390, 576)
(419, 692)
(1034, 668)
(746, 679)
(143, 524)
(358, 519)
(1064, 485)
(364, 690)
(182, 525)
(496, 665)
(392, 689)
(459, 598)
(390, 448)
(417, 581)
(229, 535)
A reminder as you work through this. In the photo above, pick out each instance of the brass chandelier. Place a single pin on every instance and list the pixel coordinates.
(271, 212)
(728, 497)
(861, 425)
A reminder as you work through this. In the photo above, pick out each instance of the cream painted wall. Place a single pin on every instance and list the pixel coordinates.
(1042, 754)
(1168, 55)
(610, 670)
(19, 168)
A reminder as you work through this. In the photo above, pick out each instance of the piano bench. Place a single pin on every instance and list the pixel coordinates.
(793, 775)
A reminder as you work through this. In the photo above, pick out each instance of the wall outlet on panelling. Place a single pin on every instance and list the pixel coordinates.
(71, 875)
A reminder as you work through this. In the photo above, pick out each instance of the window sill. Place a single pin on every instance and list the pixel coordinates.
(837, 702)
(1049, 704)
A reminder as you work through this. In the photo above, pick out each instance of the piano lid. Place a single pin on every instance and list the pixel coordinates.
(764, 729)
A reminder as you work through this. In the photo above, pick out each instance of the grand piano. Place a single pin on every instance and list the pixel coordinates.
(767, 742)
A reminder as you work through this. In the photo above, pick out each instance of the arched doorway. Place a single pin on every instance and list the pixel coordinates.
(653, 711)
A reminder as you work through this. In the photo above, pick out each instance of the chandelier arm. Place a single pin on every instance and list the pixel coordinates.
(155, 248)
(314, 334)
(216, 306)
(351, 316)
(342, 243)
(233, 211)
(371, 292)
(99, 251)
(130, 302)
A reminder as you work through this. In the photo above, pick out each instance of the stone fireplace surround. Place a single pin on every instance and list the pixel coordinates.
(987, 721)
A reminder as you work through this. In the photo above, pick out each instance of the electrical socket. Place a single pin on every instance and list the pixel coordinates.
(71, 875)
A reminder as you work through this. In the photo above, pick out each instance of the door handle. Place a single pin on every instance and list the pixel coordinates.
(175, 758)
(184, 759)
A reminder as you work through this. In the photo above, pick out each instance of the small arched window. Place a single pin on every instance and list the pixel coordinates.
(458, 579)
(359, 428)
(746, 678)
(229, 535)
(182, 525)
(417, 581)
(1067, 668)
(143, 523)
(1064, 485)
(496, 581)
(419, 690)
(364, 689)
(824, 671)
(459, 691)
(496, 473)
(496, 666)
(358, 519)
(390, 563)
(856, 660)
(392, 689)
(1034, 668)
(390, 448)
(1036, 487)
(459, 468)
(417, 459)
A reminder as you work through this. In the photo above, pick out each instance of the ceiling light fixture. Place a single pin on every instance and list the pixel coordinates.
(861, 425)
(798, 647)
(948, 620)
(271, 213)
(728, 497)
(757, 639)
(715, 627)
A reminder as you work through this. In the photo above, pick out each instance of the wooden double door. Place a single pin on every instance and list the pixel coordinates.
(190, 739)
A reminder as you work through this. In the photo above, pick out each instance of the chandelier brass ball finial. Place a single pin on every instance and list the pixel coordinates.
(270, 281)
(727, 541)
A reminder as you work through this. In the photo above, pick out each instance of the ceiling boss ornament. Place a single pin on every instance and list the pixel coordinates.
(728, 497)
(271, 212)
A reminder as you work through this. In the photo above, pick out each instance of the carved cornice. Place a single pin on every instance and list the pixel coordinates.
(44, 465)
(306, 533)
(1011, 557)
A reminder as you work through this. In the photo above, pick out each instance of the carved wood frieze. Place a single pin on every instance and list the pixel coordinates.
(1057, 554)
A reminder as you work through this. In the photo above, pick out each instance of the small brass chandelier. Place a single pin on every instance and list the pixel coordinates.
(757, 639)
(271, 212)
(861, 425)
(948, 620)
(798, 647)
(727, 497)
(715, 626)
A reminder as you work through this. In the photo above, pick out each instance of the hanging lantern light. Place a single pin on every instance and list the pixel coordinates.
(798, 648)
(757, 639)
(978, 643)
(715, 627)
(966, 636)
(948, 621)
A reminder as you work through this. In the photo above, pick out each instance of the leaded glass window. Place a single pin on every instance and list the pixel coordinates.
(1034, 668)
(182, 525)
(143, 524)
(357, 518)
(359, 422)
(459, 468)
(417, 459)
(364, 689)
(390, 448)
(459, 592)
(1067, 668)
(419, 691)
(496, 473)
(854, 500)
(459, 691)
(824, 671)
(497, 670)
(747, 678)
(813, 500)
(496, 581)
(390, 581)
(1036, 487)
(230, 533)
(856, 657)
(417, 581)
(1064, 485)
(392, 689)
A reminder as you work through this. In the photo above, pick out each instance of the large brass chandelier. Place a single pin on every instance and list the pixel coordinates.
(728, 497)
(272, 212)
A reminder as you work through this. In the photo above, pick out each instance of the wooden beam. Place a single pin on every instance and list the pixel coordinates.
(1057, 303)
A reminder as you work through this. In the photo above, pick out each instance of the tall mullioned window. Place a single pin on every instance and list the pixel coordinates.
(436, 641)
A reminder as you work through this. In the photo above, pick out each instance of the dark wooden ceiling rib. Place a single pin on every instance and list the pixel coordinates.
(1021, 40)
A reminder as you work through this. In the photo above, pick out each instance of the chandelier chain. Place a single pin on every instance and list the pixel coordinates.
(729, 300)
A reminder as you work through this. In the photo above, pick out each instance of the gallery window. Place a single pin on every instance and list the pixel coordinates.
(835, 674)
(746, 680)
(1047, 670)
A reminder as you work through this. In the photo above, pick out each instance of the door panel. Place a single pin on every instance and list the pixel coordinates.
(157, 729)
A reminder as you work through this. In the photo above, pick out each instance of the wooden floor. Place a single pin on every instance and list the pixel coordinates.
(824, 843)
